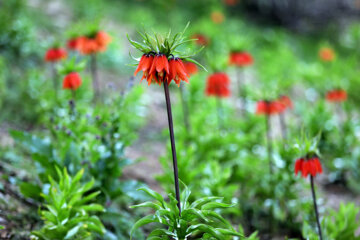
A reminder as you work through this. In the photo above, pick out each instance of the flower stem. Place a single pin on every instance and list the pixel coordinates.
(269, 143)
(94, 75)
(220, 112)
(241, 90)
(72, 103)
(283, 126)
(172, 140)
(185, 108)
(315, 206)
(54, 78)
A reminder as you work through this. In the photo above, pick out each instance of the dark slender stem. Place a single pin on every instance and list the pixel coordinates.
(269, 142)
(219, 112)
(315, 206)
(172, 140)
(283, 126)
(94, 75)
(185, 108)
(72, 102)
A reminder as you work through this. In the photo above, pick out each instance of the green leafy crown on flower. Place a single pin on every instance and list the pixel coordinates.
(167, 45)
(307, 146)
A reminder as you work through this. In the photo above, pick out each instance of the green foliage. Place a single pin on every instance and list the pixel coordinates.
(68, 213)
(337, 225)
(197, 220)
(96, 138)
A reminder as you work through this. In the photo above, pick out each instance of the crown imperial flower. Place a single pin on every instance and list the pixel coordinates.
(308, 166)
(337, 95)
(73, 43)
(240, 59)
(72, 81)
(326, 54)
(190, 68)
(158, 62)
(93, 44)
(218, 85)
(265, 107)
(55, 54)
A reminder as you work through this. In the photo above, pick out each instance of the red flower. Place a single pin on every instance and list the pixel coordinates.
(269, 107)
(159, 67)
(145, 64)
(240, 59)
(201, 39)
(55, 54)
(95, 44)
(102, 39)
(218, 84)
(337, 95)
(87, 45)
(72, 81)
(190, 68)
(73, 43)
(308, 166)
(177, 71)
(285, 102)
(217, 17)
(326, 54)
(231, 2)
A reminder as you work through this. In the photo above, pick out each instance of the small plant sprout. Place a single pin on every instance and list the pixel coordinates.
(68, 212)
(309, 164)
(162, 63)
(199, 219)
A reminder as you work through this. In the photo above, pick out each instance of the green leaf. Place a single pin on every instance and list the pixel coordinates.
(147, 204)
(154, 195)
(73, 232)
(206, 229)
(30, 190)
(200, 202)
(141, 222)
(93, 207)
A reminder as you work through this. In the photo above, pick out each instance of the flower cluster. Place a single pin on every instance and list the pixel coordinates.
(286, 103)
(240, 59)
(90, 44)
(308, 166)
(266, 107)
(72, 81)
(337, 95)
(217, 17)
(230, 3)
(190, 68)
(55, 54)
(218, 84)
(157, 68)
(200, 39)
(161, 62)
(326, 54)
